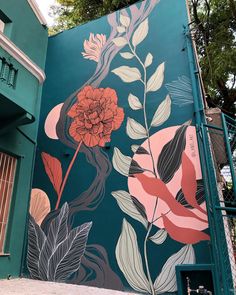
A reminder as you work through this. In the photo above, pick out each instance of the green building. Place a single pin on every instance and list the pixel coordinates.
(127, 182)
(23, 45)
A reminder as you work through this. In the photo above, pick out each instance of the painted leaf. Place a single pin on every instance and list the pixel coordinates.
(121, 162)
(36, 240)
(120, 29)
(140, 33)
(156, 80)
(124, 20)
(189, 183)
(159, 237)
(135, 168)
(119, 41)
(181, 91)
(171, 155)
(162, 113)
(127, 74)
(139, 150)
(67, 257)
(141, 209)
(200, 195)
(39, 205)
(127, 205)
(156, 187)
(135, 130)
(166, 281)
(148, 60)
(134, 102)
(129, 259)
(53, 169)
(57, 233)
(184, 235)
(127, 55)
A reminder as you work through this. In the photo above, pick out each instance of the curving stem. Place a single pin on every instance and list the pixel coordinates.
(67, 174)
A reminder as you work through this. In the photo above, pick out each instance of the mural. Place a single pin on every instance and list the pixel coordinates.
(124, 203)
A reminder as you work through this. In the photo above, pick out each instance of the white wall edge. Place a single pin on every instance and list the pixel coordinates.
(21, 57)
(37, 12)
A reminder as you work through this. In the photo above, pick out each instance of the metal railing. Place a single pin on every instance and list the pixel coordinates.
(220, 182)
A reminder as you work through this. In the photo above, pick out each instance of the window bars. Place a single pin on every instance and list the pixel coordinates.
(7, 175)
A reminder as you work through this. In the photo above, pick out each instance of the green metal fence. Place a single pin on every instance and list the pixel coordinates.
(218, 145)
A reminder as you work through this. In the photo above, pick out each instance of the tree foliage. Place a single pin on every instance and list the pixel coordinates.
(213, 28)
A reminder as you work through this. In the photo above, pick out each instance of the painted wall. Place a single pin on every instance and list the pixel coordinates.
(31, 37)
(118, 197)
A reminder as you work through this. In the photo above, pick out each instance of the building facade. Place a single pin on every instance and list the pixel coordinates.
(23, 45)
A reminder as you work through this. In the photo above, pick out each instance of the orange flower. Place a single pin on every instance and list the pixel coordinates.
(95, 115)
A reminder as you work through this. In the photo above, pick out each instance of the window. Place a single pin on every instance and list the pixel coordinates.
(7, 176)
(2, 26)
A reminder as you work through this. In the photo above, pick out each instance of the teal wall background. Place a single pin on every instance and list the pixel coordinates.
(87, 196)
(30, 36)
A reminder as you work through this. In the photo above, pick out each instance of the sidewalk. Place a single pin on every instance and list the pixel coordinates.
(33, 287)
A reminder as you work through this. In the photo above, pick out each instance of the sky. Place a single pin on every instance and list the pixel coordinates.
(44, 7)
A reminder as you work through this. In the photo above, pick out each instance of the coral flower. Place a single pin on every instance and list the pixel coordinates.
(93, 46)
(95, 115)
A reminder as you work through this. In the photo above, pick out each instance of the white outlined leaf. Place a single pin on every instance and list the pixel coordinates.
(124, 20)
(121, 162)
(126, 204)
(129, 259)
(162, 113)
(120, 29)
(134, 102)
(127, 74)
(119, 41)
(159, 237)
(135, 130)
(141, 33)
(156, 80)
(127, 55)
(166, 281)
(148, 60)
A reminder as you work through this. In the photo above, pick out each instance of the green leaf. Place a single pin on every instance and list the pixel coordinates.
(129, 259)
(156, 80)
(127, 74)
(162, 113)
(135, 130)
(126, 204)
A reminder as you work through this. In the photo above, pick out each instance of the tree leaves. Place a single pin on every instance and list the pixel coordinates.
(134, 102)
(121, 162)
(135, 130)
(130, 206)
(156, 80)
(140, 33)
(166, 281)
(53, 169)
(129, 259)
(56, 256)
(139, 150)
(171, 155)
(127, 74)
(162, 113)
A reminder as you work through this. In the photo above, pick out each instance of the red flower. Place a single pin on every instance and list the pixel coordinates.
(95, 115)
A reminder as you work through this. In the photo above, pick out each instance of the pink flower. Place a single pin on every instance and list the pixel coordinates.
(93, 46)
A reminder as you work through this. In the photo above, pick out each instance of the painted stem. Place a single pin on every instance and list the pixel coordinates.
(67, 174)
(144, 81)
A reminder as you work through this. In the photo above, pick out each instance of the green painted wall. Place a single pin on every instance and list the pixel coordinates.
(97, 191)
(30, 36)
